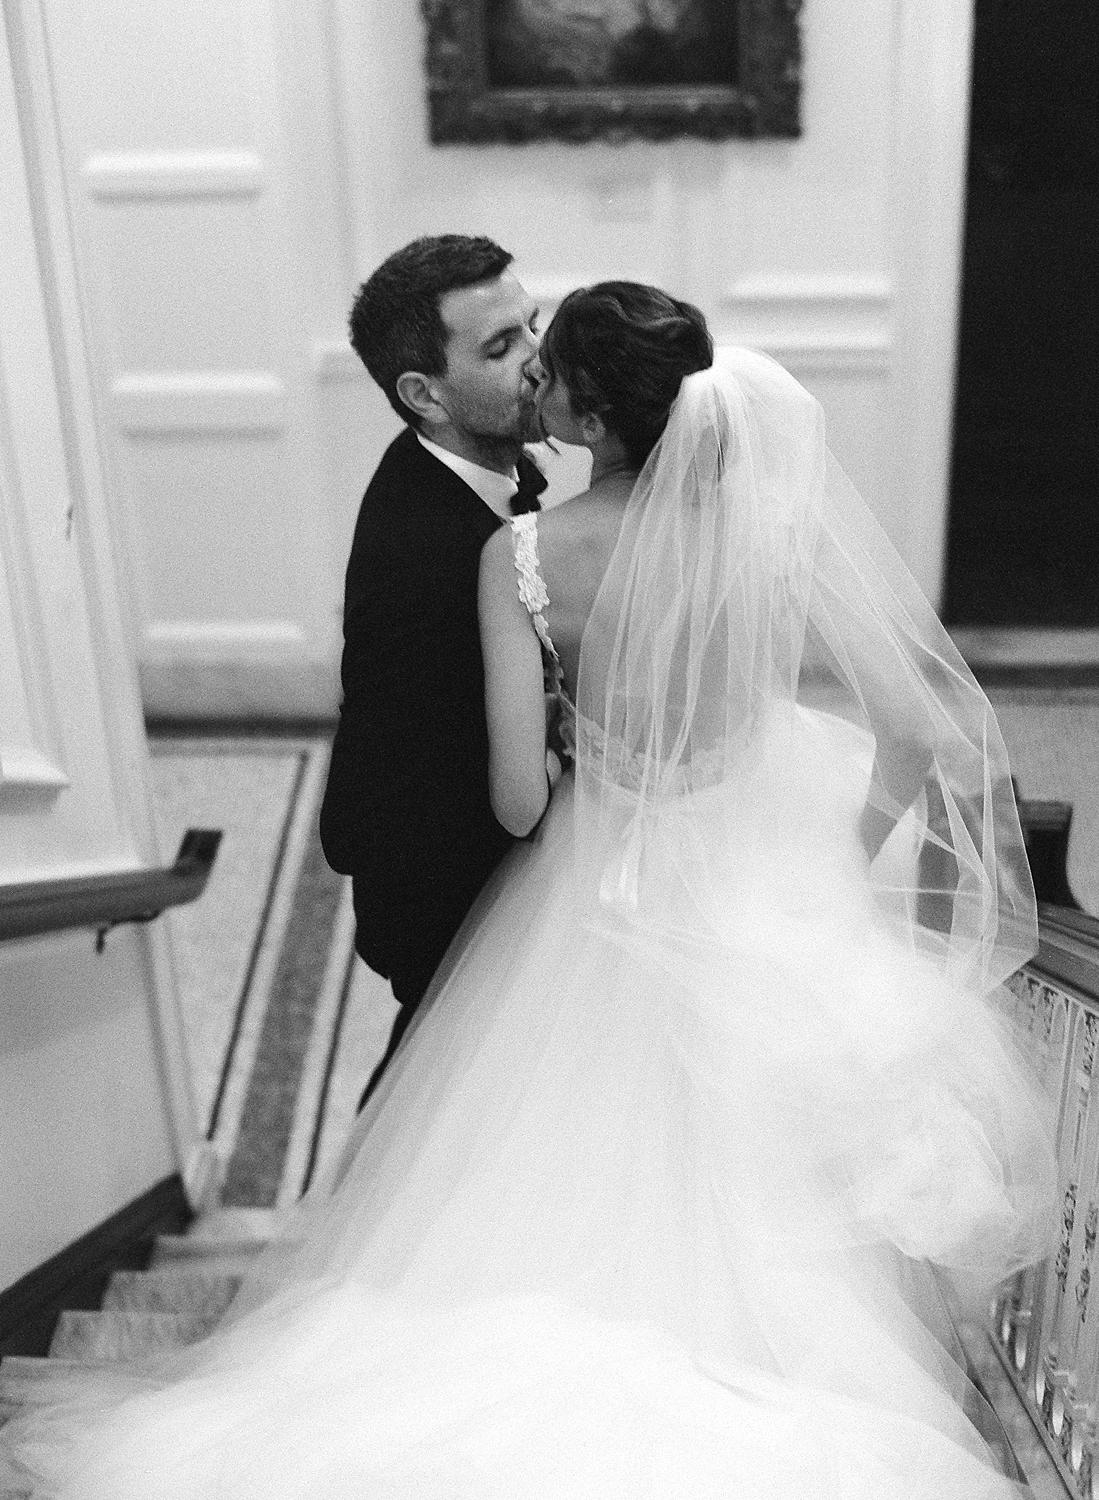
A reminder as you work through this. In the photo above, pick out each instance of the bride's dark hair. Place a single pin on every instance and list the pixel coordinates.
(622, 349)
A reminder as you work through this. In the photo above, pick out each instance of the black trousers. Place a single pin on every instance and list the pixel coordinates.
(411, 971)
(409, 986)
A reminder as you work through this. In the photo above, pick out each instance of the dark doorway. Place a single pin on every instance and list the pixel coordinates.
(1023, 538)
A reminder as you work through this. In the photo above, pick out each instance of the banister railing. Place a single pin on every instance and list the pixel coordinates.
(1045, 1321)
(101, 902)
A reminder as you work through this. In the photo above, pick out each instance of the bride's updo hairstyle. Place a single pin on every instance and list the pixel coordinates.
(621, 350)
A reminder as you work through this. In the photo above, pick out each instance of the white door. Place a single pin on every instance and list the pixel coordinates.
(170, 116)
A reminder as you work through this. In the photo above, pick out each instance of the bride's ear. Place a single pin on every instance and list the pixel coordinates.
(592, 428)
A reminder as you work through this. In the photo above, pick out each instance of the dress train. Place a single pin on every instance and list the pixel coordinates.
(611, 1230)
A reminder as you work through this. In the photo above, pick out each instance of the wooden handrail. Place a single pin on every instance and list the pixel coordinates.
(1068, 951)
(1046, 829)
(1071, 921)
(105, 901)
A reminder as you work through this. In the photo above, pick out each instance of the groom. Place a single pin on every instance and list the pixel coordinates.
(447, 332)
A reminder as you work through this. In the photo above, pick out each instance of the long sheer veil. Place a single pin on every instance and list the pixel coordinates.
(751, 588)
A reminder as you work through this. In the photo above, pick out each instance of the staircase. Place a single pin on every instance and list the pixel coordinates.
(190, 1281)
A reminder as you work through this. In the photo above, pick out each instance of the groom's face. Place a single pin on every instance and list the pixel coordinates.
(486, 390)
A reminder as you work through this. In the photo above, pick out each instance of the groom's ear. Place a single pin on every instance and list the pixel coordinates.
(418, 394)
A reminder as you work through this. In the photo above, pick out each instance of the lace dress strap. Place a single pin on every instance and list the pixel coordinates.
(533, 591)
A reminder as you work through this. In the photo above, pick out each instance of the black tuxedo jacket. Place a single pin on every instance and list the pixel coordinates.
(406, 810)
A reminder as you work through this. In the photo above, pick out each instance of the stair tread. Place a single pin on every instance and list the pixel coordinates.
(228, 1238)
(191, 1246)
(26, 1380)
(180, 1298)
(239, 1223)
(232, 1261)
(184, 1289)
(122, 1334)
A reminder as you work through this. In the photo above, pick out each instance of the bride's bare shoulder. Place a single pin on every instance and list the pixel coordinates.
(595, 513)
(575, 542)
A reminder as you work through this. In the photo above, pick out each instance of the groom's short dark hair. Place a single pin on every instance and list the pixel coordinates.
(395, 322)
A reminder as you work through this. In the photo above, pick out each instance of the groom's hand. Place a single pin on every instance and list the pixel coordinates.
(555, 741)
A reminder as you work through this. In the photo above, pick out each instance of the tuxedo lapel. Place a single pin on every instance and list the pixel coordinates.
(434, 485)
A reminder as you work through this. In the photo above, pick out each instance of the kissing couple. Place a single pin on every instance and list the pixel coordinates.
(687, 842)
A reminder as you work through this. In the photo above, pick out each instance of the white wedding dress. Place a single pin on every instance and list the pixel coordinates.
(617, 1228)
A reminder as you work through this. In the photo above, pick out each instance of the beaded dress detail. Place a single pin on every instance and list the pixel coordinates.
(536, 601)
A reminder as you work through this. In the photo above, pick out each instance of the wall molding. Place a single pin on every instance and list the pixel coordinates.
(335, 360)
(195, 669)
(128, 175)
(1024, 647)
(199, 401)
(812, 323)
(181, 686)
(848, 357)
(25, 769)
(36, 498)
(224, 639)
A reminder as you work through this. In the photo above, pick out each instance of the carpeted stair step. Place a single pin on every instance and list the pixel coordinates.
(26, 1380)
(219, 1257)
(188, 1288)
(225, 1242)
(124, 1335)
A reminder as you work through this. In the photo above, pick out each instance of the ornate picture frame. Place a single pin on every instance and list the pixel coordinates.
(535, 70)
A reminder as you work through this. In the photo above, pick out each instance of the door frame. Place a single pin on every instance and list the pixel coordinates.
(931, 129)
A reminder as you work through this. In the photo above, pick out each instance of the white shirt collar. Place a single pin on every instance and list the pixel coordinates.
(496, 490)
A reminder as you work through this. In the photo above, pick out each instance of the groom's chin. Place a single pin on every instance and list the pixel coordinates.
(530, 426)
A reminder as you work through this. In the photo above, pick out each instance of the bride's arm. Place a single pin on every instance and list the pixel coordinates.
(901, 765)
(884, 682)
(514, 701)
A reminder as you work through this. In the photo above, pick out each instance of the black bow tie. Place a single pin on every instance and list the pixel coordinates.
(531, 484)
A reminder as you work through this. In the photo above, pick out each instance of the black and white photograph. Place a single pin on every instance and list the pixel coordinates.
(549, 750)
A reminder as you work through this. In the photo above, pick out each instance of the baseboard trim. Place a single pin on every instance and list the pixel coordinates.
(77, 1276)
(168, 726)
(1006, 648)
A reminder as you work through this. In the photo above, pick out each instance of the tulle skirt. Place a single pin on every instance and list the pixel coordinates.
(606, 1230)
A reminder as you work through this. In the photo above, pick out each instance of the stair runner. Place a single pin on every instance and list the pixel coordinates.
(190, 1282)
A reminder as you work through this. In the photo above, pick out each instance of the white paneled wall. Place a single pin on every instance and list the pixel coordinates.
(95, 1097)
(237, 166)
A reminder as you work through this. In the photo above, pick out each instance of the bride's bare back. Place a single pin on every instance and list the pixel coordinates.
(575, 543)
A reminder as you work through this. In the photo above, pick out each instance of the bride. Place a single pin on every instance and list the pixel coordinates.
(712, 1098)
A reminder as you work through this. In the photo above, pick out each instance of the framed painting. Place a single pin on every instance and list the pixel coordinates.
(581, 70)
